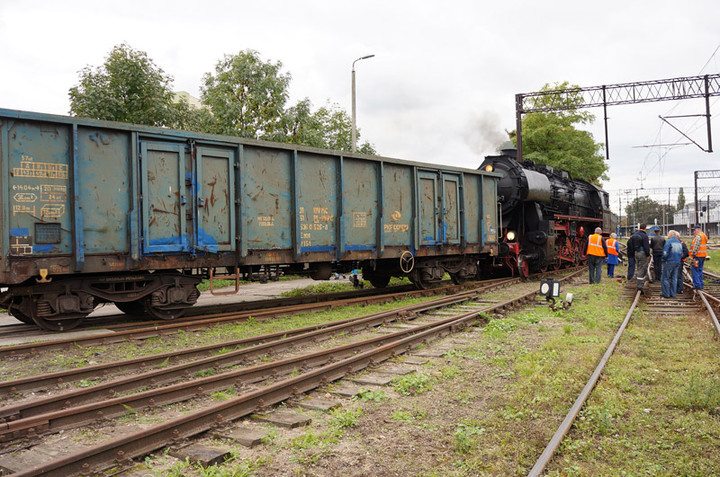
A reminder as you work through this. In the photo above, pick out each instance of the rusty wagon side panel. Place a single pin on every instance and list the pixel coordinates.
(82, 197)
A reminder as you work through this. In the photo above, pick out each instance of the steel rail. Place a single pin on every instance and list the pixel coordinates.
(142, 333)
(110, 322)
(155, 377)
(260, 344)
(580, 401)
(64, 416)
(704, 297)
(143, 442)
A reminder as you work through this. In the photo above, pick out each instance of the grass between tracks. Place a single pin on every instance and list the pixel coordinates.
(77, 357)
(492, 403)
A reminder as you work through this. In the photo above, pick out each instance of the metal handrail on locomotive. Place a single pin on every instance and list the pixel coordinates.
(546, 216)
(100, 212)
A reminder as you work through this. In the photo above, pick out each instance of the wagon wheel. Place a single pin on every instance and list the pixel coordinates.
(407, 261)
(416, 279)
(162, 314)
(457, 279)
(21, 316)
(62, 322)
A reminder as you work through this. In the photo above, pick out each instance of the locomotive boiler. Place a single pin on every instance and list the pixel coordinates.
(545, 215)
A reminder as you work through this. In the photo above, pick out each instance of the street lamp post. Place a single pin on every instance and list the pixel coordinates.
(354, 124)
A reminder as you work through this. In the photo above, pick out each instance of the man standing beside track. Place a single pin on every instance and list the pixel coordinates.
(698, 253)
(657, 244)
(640, 244)
(685, 255)
(672, 256)
(631, 258)
(613, 254)
(596, 252)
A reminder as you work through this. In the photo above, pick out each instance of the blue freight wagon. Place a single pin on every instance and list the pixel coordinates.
(96, 212)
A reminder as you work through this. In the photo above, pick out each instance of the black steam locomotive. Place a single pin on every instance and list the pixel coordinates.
(546, 216)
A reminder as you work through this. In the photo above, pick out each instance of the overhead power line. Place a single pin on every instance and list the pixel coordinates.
(617, 94)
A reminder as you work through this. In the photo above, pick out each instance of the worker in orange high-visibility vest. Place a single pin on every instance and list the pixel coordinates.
(613, 256)
(596, 252)
(698, 254)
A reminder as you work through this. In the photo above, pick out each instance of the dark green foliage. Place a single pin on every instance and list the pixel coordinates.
(644, 209)
(552, 138)
(130, 88)
(246, 96)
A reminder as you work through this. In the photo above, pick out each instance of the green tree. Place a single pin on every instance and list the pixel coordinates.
(645, 210)
(552, 138)
(329, 127)
(128, 87)
(247, 98)
(246, 95)
(681, 199)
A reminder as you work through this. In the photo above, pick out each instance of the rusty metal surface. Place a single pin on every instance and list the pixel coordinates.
(150, 439)
(73, 409)
(153, 329)
(557, 438)
(254, 346)
(682, 305)
(92, 196)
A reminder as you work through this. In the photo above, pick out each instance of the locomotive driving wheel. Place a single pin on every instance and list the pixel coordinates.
(523, 266)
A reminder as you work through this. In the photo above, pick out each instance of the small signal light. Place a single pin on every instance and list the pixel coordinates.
(489, 168)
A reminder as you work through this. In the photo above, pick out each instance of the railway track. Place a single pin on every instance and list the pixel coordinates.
(691, 303)
(122, 321)
(317, 367)
(144, 330)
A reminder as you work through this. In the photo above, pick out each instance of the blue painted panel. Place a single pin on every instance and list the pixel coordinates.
(429, 205)
(317, 200)
(318, 248)
(39, 184)
(359, 247)
(398, 197)
(266, 198)
(451, 227)
(471, 184)
(215, 199)
(104, 170)
(490, 210)
(359, 196)
(164, 197)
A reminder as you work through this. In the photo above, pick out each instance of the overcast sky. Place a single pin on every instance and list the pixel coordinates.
(442, 85)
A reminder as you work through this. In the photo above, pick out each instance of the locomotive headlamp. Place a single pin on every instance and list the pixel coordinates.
(510, 235)
(489, 168)
(550, 288)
